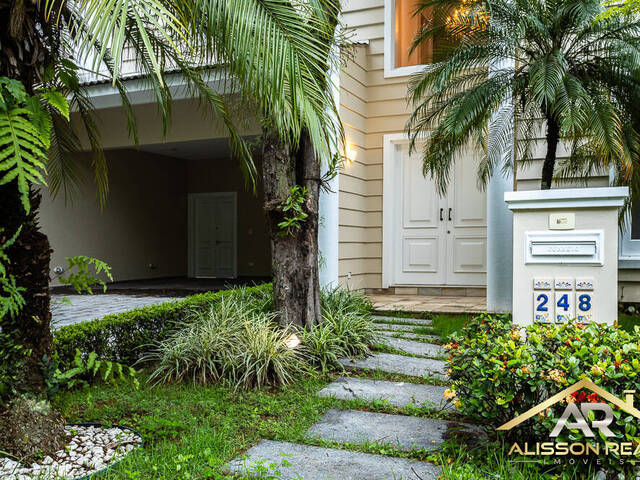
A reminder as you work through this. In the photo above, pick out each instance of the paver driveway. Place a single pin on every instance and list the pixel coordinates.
(89, 307)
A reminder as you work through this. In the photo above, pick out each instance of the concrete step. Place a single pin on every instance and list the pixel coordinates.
(415, 348)
(409, 335)
(420, 322)
(403, 432)
(398, 394)
(390, 363)
(306, 462)
(396, 328)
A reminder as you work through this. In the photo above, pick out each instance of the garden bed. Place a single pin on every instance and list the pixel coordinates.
(92, 448)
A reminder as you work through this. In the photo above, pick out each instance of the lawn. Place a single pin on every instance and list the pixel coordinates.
(192, 431)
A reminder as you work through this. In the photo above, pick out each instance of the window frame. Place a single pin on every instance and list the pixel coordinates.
(390, 69)
(628, 248)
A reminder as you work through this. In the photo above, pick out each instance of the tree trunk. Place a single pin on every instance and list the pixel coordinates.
(553, 137)
(294, 255)
(29, 257)
(26, 427)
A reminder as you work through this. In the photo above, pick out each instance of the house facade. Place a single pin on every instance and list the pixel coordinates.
(179, 207)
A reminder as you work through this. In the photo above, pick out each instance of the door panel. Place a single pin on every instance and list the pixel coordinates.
(419, 229)
(214, 234)
(467, 230)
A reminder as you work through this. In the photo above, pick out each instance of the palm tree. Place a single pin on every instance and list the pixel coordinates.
(555, 64)
(273, 54)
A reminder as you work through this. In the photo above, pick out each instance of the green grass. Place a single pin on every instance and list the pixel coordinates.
(190, 431)
(491, 461)
(446, 324)
(628, 321)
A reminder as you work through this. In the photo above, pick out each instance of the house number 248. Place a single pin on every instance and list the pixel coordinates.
(563, 308)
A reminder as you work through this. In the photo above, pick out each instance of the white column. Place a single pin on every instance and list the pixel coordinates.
(499, 245)
(499, 220)
(329, 209)
(328, 234)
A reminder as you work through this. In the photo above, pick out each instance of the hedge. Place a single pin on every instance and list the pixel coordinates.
(119, 337)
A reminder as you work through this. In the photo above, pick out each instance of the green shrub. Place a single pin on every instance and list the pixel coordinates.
(339, 299)
(321, 348)
(499, 372)
(230, 343)
(119, 337)
(346, 329)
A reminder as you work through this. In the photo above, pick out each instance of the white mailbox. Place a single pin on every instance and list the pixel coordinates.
(565, 254)
(578, 247)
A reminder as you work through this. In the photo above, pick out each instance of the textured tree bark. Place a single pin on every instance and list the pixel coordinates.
(29, 257)
(553, 138)
(25, 428)
(294, 256)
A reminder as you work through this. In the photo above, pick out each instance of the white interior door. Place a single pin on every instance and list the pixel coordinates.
(213, 234)
(420, 240)
(466, 225)
(436, 241)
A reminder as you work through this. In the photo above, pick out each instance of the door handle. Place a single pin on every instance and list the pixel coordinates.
(441, 212)
(450, 214)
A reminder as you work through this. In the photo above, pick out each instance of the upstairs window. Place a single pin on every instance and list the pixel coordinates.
(407, 26)
(401, 27)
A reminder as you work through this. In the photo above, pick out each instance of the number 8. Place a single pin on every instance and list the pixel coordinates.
(585, 302)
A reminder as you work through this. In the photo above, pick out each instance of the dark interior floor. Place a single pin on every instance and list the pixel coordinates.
(175, 286)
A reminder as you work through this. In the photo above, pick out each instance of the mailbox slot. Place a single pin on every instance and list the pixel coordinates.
(577, 247)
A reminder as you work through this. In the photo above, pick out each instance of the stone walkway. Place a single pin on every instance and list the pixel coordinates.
(88, 307)
(342, 429)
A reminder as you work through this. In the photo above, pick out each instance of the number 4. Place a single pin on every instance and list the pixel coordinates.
(564, 302)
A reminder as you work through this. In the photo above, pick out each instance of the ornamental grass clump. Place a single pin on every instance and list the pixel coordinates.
(338, 299)
(237, 341)
(346, 329)
(499, 371)
(231, 343)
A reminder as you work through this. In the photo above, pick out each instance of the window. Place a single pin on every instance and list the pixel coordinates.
(629, 249)
(406, 26)
(401, 26)
(635, 222)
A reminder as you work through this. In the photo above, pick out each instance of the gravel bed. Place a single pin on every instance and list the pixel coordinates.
(90, 449)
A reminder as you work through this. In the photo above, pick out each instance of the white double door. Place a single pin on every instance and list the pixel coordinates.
(439, 240)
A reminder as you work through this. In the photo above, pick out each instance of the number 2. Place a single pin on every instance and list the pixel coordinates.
(543, 299)
(564, 302)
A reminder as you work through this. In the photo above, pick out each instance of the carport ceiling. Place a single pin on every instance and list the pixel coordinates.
(211, 149)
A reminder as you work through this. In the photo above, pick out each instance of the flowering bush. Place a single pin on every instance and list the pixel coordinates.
(499, 371)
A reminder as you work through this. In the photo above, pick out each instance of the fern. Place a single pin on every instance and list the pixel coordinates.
(25, 134)
(23, 152)
(82, 279)
(11, 299)
(83, 372)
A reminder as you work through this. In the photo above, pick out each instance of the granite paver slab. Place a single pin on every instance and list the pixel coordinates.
(430, 338)
(390, 363)
(396, 328)
(420, 322)
(398, 394)
(306, 462)
(415, 348)
(404, 432)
